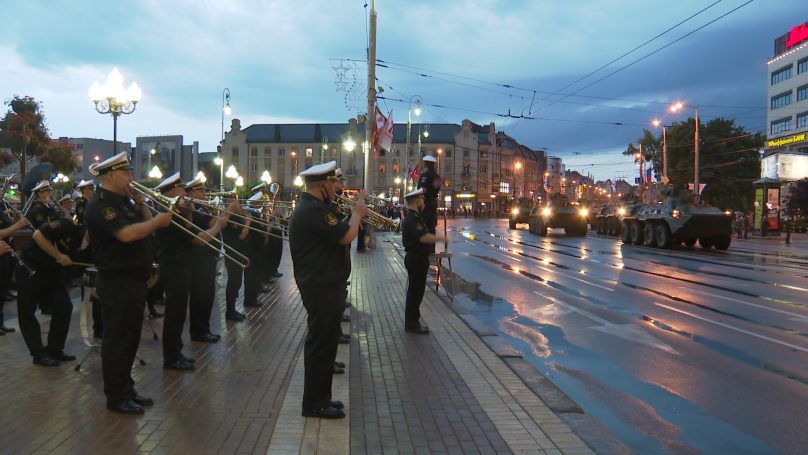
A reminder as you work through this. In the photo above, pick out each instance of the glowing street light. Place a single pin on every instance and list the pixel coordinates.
(201, 175)
(112, 98)
(155, 173)
(239, 181)
(676, 108)
(231, 173)
(266, 178)
(298, 181)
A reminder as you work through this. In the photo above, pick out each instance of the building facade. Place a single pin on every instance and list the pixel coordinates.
(168, 153)
(478, 165)
(88, 151)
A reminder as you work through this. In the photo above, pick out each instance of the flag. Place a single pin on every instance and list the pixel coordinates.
(648, 175)
(378, 125)
(386, 134)
(415, 172)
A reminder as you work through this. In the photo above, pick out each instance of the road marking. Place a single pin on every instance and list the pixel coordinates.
(630, 332)
(732, 327)
(796, 316)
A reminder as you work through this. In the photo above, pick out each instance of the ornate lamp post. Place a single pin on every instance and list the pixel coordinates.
(417, 99)
(112, 98)
(155, 173)
(675, 108)
(226, 110)
(220, 162)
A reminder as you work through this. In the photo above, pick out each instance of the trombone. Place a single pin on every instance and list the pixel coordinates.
(265, 224)
(168, 203)
(373, 218)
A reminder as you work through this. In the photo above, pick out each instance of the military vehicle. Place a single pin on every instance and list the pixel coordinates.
(610, 218)
(519, 212)
(677, 220)
(557, 212)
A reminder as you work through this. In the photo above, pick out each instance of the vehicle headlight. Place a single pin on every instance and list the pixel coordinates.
(675, 214)
(515, 211)
(584, 212)
(546, 211)
(621, 211)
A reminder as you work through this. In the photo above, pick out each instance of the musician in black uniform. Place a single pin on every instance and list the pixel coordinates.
(120, 231)
(42, 210)
(87, 188)
(7, 229)
(236, 237)
(203, 265)
(431, 182)
(65, 206)
(46, 253)
(267, 258)
(417, 240)
(256, 252)
(175, 256)
(317, 241)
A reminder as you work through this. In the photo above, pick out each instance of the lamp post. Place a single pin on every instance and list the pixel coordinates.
(152, 152)
(112, 98)
(325, 147)
(266, 178)
(398, 181)
(675, 108)
(220, 162)
(657, 123)
(417, 99)
(226, 110)
(425, 133)
(516, 167)
(155, 173)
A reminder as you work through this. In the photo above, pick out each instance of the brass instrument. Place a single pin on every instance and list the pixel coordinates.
(265, 224)
(168, 203)
(373, 218)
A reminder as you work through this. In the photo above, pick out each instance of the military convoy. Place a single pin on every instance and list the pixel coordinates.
(557, 212)
(609, 220)
(519, 212)
(675, 221)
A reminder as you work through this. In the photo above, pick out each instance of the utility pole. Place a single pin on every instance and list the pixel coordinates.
(370, 120)
(696, 153)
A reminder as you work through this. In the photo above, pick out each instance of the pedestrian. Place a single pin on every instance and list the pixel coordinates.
(321, 263)
(417, 240)
(120, 229)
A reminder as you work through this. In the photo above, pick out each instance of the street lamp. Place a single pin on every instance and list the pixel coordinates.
(425, 133)
(239, 181)
(231, 173)
(112, 98)
(220, 162)
(266, 178)
(657, 123)
(675, 108)
(61, 178)
(298, 181)
(417, 111)
(516, 167)
(226, 109)
(201, 176)
(152, 152)
(155, 173)
(325, 147)
(397, 181)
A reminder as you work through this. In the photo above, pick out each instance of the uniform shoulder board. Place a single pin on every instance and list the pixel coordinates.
(109, 213)
(331, 220)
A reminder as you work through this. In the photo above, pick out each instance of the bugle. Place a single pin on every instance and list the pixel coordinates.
(373, 218)
(214, 243)
(266, 225)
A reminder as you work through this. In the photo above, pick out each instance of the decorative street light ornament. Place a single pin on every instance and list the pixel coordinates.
(298, 181)
(239, 181)
(112, 98)
(349, 145)
(266, 178)
(201, 176)
(155, 173)
(218, 161)
(231, 172)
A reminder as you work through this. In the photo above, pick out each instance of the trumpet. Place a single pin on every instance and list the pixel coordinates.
(188, 227)
(255, 210)
(373, 218)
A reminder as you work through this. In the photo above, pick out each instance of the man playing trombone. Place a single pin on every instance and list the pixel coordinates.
(120, 228)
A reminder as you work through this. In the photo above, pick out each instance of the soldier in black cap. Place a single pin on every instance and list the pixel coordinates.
(87, 188)
(430, 182)
(317, 241)
(7, 229)
(42, 210)
(417, 241)
(120, 229)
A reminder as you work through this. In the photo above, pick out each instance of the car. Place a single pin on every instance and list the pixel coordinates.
(557, 212)
(519, 212)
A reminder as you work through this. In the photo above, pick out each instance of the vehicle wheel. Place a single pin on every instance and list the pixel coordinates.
(648, 233)
(511, 224)
(706, 242)
(612, 227)
(690, 241)
(636, 232)
(542, 229)
(722, 242)
(599, 226)
(662, 236)
(583, 230)
(625, 232)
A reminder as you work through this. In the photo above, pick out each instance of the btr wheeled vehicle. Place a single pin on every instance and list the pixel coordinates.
(558, 212)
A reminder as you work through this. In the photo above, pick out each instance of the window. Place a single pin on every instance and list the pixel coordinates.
(235, 152)
(382, 168)
(448, 153)
(781, 100)
(382, 153)
(308, 152)
(802, 93)
(483, 169)
(254, 166)
(802, 66)
(802, 120)
(781, 75)
(267, 151)
(254, 152)
(280, 151)
(79, 146)
(396, 167)
(779, 126)
(465, 153)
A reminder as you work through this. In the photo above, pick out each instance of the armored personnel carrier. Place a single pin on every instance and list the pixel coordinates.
(610, 218)
(557, 212)
(677, 220)
(519, 212)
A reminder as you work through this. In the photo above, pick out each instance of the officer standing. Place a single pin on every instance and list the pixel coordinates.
(417, 240)
(430, 182)
(42, 210)
(87, 188)
(120, 231)
(236, 237)
(317, 241)
(7, 229)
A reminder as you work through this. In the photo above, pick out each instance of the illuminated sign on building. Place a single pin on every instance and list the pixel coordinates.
(786, 140)
(465, 195)
(797, 35)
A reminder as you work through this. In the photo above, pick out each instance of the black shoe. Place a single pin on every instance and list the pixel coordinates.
(62, 357)
(338, 370)
(345, 318)
(187, 359)
(266, 288)
(179, 365)
(344, 339)
(206, 338)
(155, 314)
(143, 400)
(339, 364)
(5, 329)
(419, 329)
(277, 274)
(234, 316)
(324, 413)
(337, 404)
(46, 361)
(126, 407)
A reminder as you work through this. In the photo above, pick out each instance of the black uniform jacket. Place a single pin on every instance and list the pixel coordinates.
(314, 236)
(411, 232)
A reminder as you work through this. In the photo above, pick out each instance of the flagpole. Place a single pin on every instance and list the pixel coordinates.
(370, 119)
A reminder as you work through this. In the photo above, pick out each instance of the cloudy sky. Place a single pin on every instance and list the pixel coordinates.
(278, 58)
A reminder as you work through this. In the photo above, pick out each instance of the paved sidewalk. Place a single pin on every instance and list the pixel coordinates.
(447, 392)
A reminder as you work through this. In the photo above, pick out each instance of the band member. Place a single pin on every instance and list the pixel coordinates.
(236, 237)
(87, 189)
(175, 254)
(45, 254)
(256, 249)
(417, 240)
(317, 241)
(203, 265)
(42, 208)
(431, 182)
(65, 206)
(7, 229)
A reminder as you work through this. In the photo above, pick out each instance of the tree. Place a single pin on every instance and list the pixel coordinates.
(61, 155)
(23, 130)
(798, 199)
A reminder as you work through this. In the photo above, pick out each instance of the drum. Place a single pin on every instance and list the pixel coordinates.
(154, 276)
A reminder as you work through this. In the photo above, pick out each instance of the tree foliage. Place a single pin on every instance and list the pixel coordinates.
(798, 199)
(24, 120)
(61, 156)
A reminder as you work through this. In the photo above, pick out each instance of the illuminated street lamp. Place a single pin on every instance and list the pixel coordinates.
(298, 181)
(231, 173)
(61, 178)
(266, 178)
(239, 181)
(201, 176)
(220, 162)
(658, 123)
(112, 98)
(325, 147)
(417, 99)
(676, 108)
(155, 173)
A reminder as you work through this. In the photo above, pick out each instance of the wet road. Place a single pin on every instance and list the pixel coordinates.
(679, 351)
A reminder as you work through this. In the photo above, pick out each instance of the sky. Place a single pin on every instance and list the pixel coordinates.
(467, 59)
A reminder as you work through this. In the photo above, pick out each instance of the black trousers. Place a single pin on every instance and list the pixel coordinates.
(430, 214)
(177, 281)
(202, 292)
(417, 267)
(123, 297)
(235, 276)
(253, 275)
(43, 286)
(324, 306)
(275, 251)
(5, 281)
